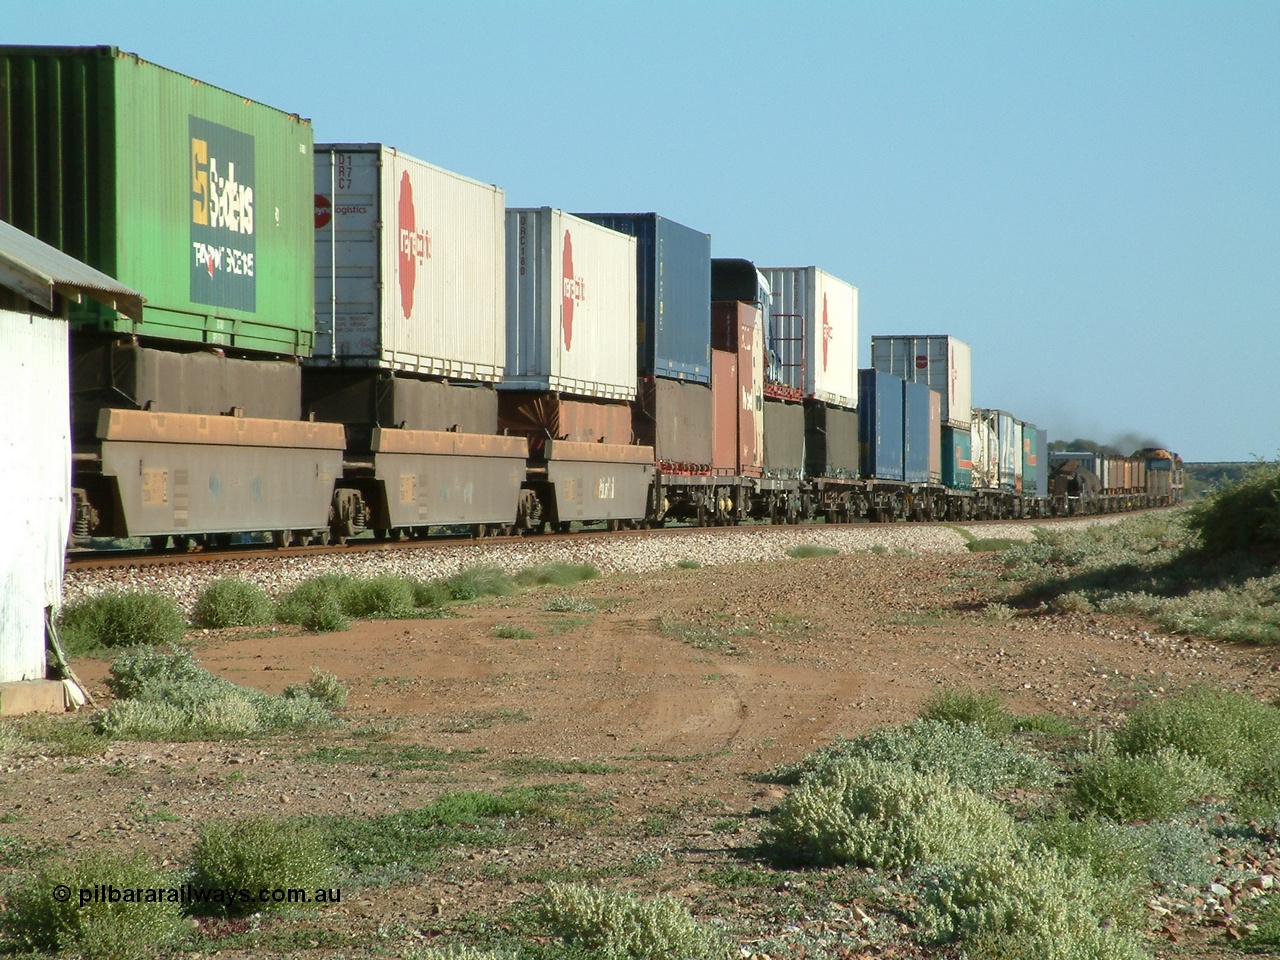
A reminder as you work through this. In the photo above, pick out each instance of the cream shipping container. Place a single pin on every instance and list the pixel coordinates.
(571, 306)
(825, 308)
(409, 265)
(941, 362)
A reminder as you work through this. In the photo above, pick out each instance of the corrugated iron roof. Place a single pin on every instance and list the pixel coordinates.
(39, 272)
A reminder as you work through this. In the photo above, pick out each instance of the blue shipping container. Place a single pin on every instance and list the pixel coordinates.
(673, 294)
(957, 458)
(915, 432)
(880, 425)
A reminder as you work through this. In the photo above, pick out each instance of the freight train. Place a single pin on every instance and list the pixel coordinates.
(339, 338)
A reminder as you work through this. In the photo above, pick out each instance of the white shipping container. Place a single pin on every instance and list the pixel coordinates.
(985, 450)
(35, 484)
(410, 266)
(829, 309)
(942, 362)
(571, 306)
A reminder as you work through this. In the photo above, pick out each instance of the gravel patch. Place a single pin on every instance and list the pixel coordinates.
(623, 554)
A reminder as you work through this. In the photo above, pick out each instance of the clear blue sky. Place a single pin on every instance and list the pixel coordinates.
(1086, 192)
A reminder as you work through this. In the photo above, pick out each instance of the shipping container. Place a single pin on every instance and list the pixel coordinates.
(547, 416)
(997, 450)
(35, 475)
(196, 196)
(365, 399)
(957, 457)
(915, 432)
(108, 372)
(935, 436)
(880, 419)
(814, 333)
(830, 441)
(1042, 463)
(571, 306)
(783, 439)
(1030, 459)
(675, 418)
(737, 329)
(410, 271)
(673, 294)
(724, 413)
(941, 362)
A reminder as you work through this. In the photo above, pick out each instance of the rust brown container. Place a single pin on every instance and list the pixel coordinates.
(736, 327)
(674, 417)
(544, 416)
(724, 403)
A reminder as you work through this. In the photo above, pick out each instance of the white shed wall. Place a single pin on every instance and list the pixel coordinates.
(35, 485)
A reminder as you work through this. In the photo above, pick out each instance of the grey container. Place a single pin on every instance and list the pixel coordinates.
(365, 399)
(675, 418)
(673, 294)
(112, 373)
(941, 362)
(783, 439)
(830, 441)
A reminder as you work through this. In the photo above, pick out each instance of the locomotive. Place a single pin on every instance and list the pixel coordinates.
(340, 338)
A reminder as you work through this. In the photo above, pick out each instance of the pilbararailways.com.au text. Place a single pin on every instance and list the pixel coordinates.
(190, 895)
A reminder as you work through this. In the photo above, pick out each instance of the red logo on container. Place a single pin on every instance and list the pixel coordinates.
(324, 211)
(922, 362)
(826, 331)
(415, 245)
(572, 292)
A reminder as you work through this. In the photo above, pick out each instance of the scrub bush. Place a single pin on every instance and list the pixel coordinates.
(614, 925)
(963, 752)
(379, 597)
(231, 602)
(481, 581)
(317, 604)
(35, 920)
(260, 853)
(878, 814)
(169, 696)
(1127, 787)
(982, 708)
(122, 619)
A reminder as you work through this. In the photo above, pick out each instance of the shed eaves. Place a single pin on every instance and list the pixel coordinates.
(38, 272)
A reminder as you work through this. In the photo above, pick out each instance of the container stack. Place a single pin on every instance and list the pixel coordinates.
(943, 364)
(570, 316)
(812, 351)
(673, 409)
(740, 311)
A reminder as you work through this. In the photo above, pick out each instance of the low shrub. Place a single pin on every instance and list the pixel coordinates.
(480, 581)
(122, 619)
(688, 565)
(1126, 788)
(317, 604)
(963, 752)
(805, 550)
(383, 596)
(564, 604)
(256, 854)
(36, 920)
(1030, 905)
(1181, 854)
(511, 631)
(614, 925)
(323, 687)
(1109, 850)
(556, 574)
(1231, 732)
(431, 593)
(878, 814)
(231, 602)
(169, 696)
(982, 708)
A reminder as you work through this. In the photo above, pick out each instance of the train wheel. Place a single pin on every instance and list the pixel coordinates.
(281, 538)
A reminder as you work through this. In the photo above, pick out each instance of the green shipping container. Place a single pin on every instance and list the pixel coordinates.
(200, 199)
